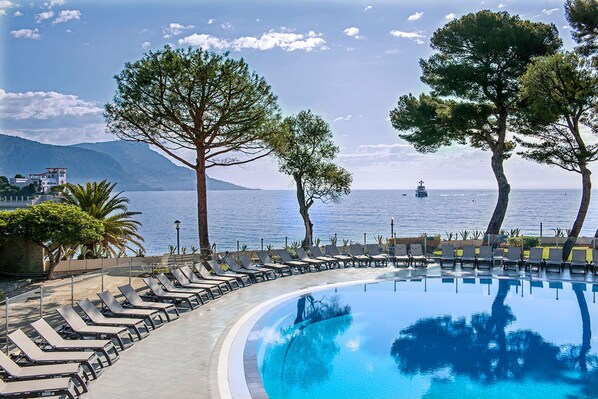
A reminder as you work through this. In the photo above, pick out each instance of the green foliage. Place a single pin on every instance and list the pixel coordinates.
(450, 236)
(379, 239)
(6, 190)
(98, 200)
(528, 242)
(244, 247)
(583, 19)
(333, 240)
(269, 247)
(55, 227)
(558, 232)
(477, 234)
(464, 234)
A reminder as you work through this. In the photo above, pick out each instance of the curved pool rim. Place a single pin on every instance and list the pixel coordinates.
(232, 383)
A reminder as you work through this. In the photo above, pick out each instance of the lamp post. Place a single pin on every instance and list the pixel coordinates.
(177, 225)
(392, 227)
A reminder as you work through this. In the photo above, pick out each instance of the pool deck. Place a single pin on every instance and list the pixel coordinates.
(183, 358)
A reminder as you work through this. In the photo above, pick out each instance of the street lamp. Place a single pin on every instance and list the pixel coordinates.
(177, 225)
(392, 227)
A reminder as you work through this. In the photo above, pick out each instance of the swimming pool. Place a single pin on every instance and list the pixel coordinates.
(430, 338)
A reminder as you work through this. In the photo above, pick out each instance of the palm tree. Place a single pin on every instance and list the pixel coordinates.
(97, 200)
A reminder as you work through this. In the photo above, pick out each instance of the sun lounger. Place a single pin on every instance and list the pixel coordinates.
(96, 317)
(317, 263)
(246, 263)
(193, 301)
(82, 329)
(316, 252)
(151, 316)
(485, 257)
(376, 256)
(448, 256)
(56, 342)
(39, 388)
(193, 279)
(285, 257)
(513, 258)
(16, 372)
(416, 252)
(595, 261)
(213, 288)
(498, 256)
(231, 282)
(38, 356)
(358, 254)
(267, 262)
(578, 261)
(535, 258)
(253, 275)
(169, 286)
(469, 256)
(400, 254)
(332, 250)
(554, 263)
(135, 300)
(215, 268)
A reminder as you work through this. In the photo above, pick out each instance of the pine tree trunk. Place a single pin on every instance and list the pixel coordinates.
(586, 334)
(304, 212)
(503, 194)
(202, 205)
(586, 193)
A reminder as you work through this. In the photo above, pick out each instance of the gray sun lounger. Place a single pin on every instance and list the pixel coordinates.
(213, 290)
(82, 329)
(267, 262)
(448, 256)
(304, 257)
(73, 370)
(193, 301)
(579, 264)
(38, 356)
(417, 255)
(151, 316)
(214, 266)
(285, 257)
(39, 388)
(376, 256)
(56, 342)
(169, 286)
(193, 279)
(359, 255)
(554, 263)
(400, 254)
(96, 317)
(485, 256)
(317, 253)
(513, 258)
(246, 263)
(254, 275)
(535, 258)
(469, 256)
(231, 282)
(332, 250)
(135, 300)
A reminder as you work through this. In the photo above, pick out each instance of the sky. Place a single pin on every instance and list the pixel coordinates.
(348, 61)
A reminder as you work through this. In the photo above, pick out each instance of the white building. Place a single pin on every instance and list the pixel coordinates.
(51, 178)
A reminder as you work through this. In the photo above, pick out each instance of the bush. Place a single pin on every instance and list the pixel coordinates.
(528, 242)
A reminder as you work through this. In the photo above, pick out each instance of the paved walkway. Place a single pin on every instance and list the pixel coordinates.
(180, 360)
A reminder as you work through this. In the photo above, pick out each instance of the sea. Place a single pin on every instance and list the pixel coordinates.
(247, 217)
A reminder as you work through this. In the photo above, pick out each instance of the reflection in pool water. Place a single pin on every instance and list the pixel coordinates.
(434, 338)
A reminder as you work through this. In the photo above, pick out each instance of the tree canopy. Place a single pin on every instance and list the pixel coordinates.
(583, 18)
(474, 76)
(54, 227)
(305, 152)
(195, 100)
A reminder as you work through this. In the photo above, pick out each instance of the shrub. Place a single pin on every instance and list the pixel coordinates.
(528, 242)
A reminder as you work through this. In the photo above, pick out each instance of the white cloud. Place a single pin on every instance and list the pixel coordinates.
(44, 15)
(343, 118)
(367, 8)
(502, 5)
(18, 13)
(415, 36)
(549, 11)
(43, 105)
(352, 32)
(415, 16)
(450, 16)
(211, 21)
(175, 29)
(26, 34)
(67, 15)
(145, 45)
(226, 26)
(5, 4)
(566, 27)
(285, 40)
(53, 3)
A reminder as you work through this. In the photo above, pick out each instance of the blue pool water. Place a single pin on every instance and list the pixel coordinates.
(434, 338)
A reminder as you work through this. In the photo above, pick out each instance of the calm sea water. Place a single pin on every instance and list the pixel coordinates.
(249, 216)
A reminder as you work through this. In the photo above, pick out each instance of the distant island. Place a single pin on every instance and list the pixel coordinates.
(134, 166)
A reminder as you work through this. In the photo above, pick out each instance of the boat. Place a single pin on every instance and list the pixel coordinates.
(421, 192)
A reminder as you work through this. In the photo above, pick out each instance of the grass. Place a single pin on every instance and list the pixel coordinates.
(526, 252)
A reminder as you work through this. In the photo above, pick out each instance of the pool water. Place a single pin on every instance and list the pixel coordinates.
(433, 338)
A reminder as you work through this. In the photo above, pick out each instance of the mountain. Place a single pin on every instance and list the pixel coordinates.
(134, 166)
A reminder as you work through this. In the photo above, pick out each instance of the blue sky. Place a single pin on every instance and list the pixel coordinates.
(348, 61)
